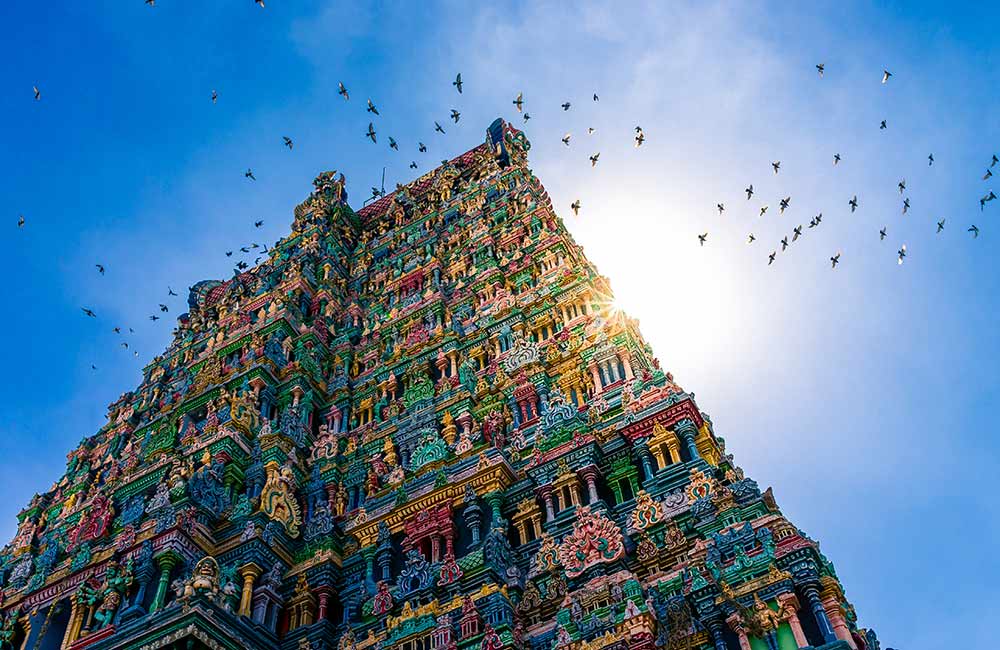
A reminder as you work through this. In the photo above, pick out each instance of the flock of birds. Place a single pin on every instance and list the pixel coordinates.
(853, 203)
(639, 138)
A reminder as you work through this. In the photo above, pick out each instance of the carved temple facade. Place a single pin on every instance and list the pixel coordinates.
(416, 426)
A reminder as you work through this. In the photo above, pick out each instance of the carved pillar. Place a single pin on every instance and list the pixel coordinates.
(589, 475)
(687, 431)
(166, 562)
(74, 626)
(624, 355)
(545, 492)
(249, 573)
(324, 602)
(790, 605)
(836, 617)
(715, 629)
(596, 376)
(495, 501)
(811, 592)
(737, 626)
(645, 459)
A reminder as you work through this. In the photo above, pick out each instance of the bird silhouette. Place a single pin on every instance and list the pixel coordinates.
(20, 221)
(215, 96)
(835, 260)
(89, 312)
(288, 141)
(455, 115)
(591, 130)
(117, 330)
(995, 160)
(988, 174)
(776, 165)
(413, 165)
(882, 234)
(721, 207)
(249, 174)
(974, 229)
(371, 132)
(749, 191)
(930, 159)
(881, 126)
(784, 204)
(260, 3)
(38, 93)
(940, 225)
(853, 203)
(342, 90)
(770, 258)
(437, 127)
(229, 253)
(565, 106)
(575, 206)
(124, 344)
(751, 239)
(815, 220)
(526, 117)
(900, 254)
(154, 318)
(151, 3)
(519, 101)
(836, 158)
(163, 308)
(763, 209)
(784, 243)
(100, 268)
(371, 107)
(820, 67)
(901, 185)
(906, 204)
(702, 239)
(596, 98)
(392, 144)
(421, 147)
(170, 292)
(565, 139)
(458, 82)
(796, 232)
(258, 224)
(885, 76)
(640, 137)
(986, 199)
(593, 159)
(244, 249)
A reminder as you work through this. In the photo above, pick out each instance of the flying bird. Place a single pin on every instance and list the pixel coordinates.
(437, 127)
(593, 159)
(151, 3)
(565, 139)
(591, 130)
(526, 117)
(89, 312)
(154, 318)
(575, 206)
(881, 126)
(751, 238)
(342, 90)
(163, 308)
(906, 204)
(117, 330)
(721, 207)
(565, 106)
(836, 158)
(229, 253)
(820, 67)
(244, 249)
(777, 165)
(392, 144)
(260, 3)
(784, 243)
(983, 201)
(171, 292)
(796, 232)
(288, 141)
(38, 93)
(249, 174)
(596, 98)
(995, 160)
(640, 137)
(20, 221)
(974, 229)
(124, 344)
(749, 191)
(258, 224)
(885, 75)
(770, 258)
(988, 174)
(421, 147)
(371, 107)
(882, 234)
(702, 238)
(763, 209)
(519, 101)
(815, 221)
(413, 165)
(835, 260)
(784, 204)
(455, 115)
(930, 160)
(853, 203)
(901, 253)
(901, 185)
(458, 82)
(215, 96)
(940, 225)
(371, 132)
(100, 268)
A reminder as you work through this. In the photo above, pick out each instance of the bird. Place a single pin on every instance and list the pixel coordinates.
(38, 93)
(777, 165)
(901, 253)
(260, 3)
(575, 206)
(100, 268)
(565, 106)
(371, 132)
(751, 238)
(437, 127)
(163, 308)
(151, 3)
(124, 344)
(458, 82)
(881, 126)
(371, 107)
(906, 204)
(565, 139)
(836, 158)
(229, 253)
(882, 234)
(702, 238)
(835, 260)
(770, 258)
(995, 160)
(117, 330)
(131, 331)
(784, 204)
(89, 312)
(974, 229)
(244, 249)
(215, 96)
(288, 141)
(749, 191)
(784, 243)
(796, 232)
(413, 164)
(20, 221)
(421, 147)
(376, 192)
(93, 367)
(640, 137)
(591, 130)
(519, 101)
(455, 115)
(593, 159)
(526, 117)
(249, 174)
(342, 90)
(885, 75)
(983, 201)
(815, 220)
(596, 97)
(853, 203)
(721, 207)
(763, 209)
(154, 318)
(930, 160)
(820, 67)
(171, 292)
(901, 185)
(940, 225)
(988, 174)
(258, 224)
(241, 265)
(392, 144)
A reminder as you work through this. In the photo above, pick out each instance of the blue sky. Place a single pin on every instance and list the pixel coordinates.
(864, 395)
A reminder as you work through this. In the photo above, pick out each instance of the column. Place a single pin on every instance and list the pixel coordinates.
(715, 628)
(249, 573)
(811, 592)
(836, 617)
(736, 625)
(626, 363)
(545, 491)
(790, 605)
(686, 430)
(589, 475)
(166, 562)
(644, 458)
(598, 384)
(324, 599)
(674, 449)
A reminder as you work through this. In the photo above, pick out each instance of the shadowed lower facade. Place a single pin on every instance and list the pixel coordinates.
(421, 425)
